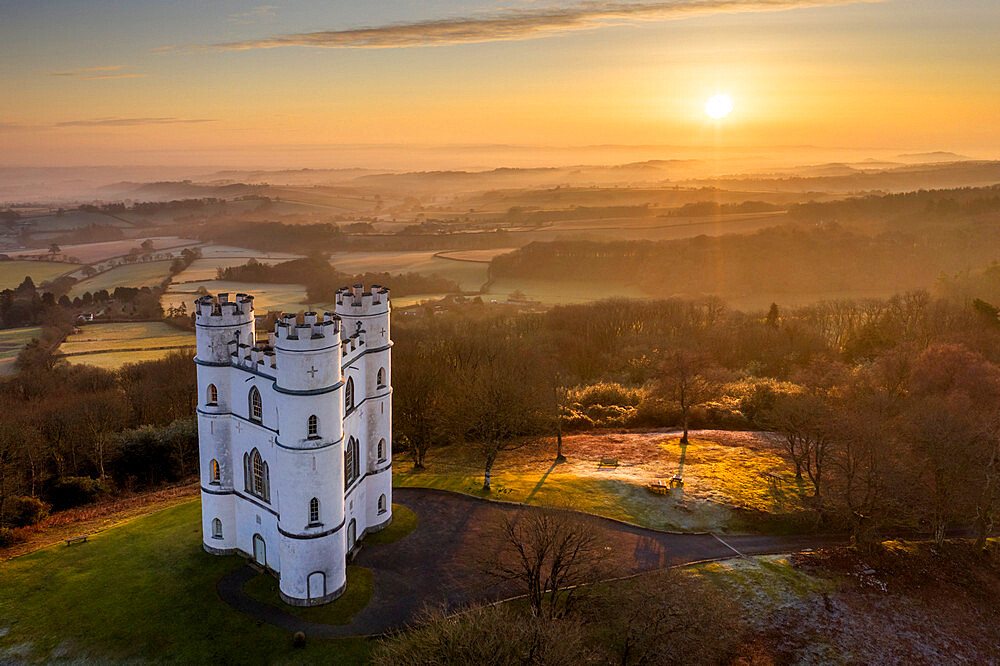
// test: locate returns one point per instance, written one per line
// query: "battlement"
(220, 311)
(312, 333)
(354, 301)
(260, 357)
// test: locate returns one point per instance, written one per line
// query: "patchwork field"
(231, 252)
(12, 273)
(559, 293)
(12, 341)
(206, 269)
(147, 274)
(723, 472)
(88, 253)
(287, 297)
(140, 589)
(111, 346)
(469, 275)
(73, 219)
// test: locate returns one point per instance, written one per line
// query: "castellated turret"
(295, 436)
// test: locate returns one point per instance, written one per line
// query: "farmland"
(564, 292)
(12, 341)
(469, 275)
(146, 274)
(110, 346)
(287, 297)
(12, 273)
(88, 253)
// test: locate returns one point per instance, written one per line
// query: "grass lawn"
(12, 341)
(403, 522)
(12, 273)
(141, 591)
(723, 473)
(264, 588)
(116, 359)
(146, 274)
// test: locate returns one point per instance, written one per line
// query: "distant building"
(295, 436)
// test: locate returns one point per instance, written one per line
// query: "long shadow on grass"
(541, 482)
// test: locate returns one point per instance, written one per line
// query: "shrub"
(9, 537)
(607, 393)
(299, 639)
(70, 491)
(27, 511)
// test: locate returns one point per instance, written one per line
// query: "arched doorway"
(259, 550)
(316, 585)
(352, 534)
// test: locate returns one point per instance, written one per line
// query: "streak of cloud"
(509, 25)
(114, 76)
(130, 122)
(84, 72)
(255, 14)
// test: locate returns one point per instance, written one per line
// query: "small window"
(213, 395)
(259, 478)
(256, 407)
(313, 511)
(349, 395)
(381, 503)
(216, 528)
(313, 426)
(213, 470)
(380, 378)
(381, 450)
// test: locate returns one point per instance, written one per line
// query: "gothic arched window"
(381, 450)
(216, 528)
(352, 462)
(380, 378)
(313, 426)
(256, 407)
(381, 503)
(214, 474)
(349, 395)
(213, 395)
(260, 483)
(313, 511)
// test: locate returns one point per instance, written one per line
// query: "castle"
(295, 436)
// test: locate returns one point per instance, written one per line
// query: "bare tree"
(545, 552)
(688, 378)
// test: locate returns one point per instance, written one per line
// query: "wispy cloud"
(129, 122)
(255, 14)
(94, 73)
(509, 24)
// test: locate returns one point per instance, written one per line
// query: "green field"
(12, 273)
(12, 341)
(559, 293)
(142, 589)
(73, 219)
(91, 252)
(469, 275)
(206, 269)
(286, 297)
(132, 335)
(134, 275)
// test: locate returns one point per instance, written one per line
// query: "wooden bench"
(608, 462)
(75, 540)
(659, 487)
(676, 479)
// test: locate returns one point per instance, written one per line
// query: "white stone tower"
(295, 436)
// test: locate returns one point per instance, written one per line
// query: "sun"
(718, 106)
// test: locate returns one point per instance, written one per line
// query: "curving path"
(439, 563)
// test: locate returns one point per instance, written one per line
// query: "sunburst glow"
(718, 106)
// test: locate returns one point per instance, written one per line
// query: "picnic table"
(659, 486)
(608, 462)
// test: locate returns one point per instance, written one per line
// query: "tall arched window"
(256, 407)
(352, 463)
(260, 483)
(349, 395)
(381, 503)
(380, 378)
(313, 426)
(214, 474)
(216, 528)
(381, 450)
(313, 511)
(213, 395)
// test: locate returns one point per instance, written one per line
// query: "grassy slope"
(134, 275)
(12, 273)
(286, 297)
(105, 337)
(142, 590)
(12, 340)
